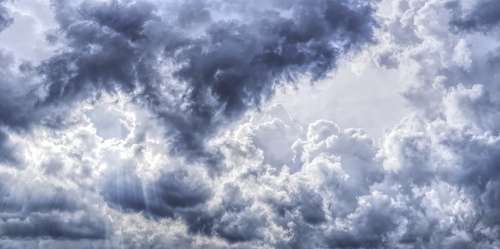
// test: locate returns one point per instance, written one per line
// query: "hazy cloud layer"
(86, 137)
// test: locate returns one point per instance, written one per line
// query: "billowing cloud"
(39, 210)
(195, 75)
(195, 66)
(198, 73)
(91, 129)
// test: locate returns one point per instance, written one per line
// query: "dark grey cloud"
(40, 210)
(219, 66)
(7, 150)
(432, 182)
(19, 113)
(15, 106)
(164, 197)
(181, 189)
(39, 226)
(5, 18)
(483, 16)
(46, 200)
(183, 195)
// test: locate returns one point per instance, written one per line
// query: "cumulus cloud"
(90, 129)
(198, 73)
(194, 74)
(452, 140)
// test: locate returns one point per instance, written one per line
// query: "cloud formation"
(199, 73)
(89, 130)
(41, 210)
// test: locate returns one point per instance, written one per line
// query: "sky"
(265, 124)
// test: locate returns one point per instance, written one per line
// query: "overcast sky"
(287, 124)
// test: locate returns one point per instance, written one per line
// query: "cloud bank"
(100, 144)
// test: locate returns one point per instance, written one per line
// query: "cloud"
(452, 139)
(40, 210)
(482, 16)
(197, 78)
(197, 66)
(177, 189)
(7, 151)
(16, 104)
(257, 200)
(5, 19)
(56, 227)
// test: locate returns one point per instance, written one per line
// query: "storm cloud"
(199, 73)
(101, 142)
